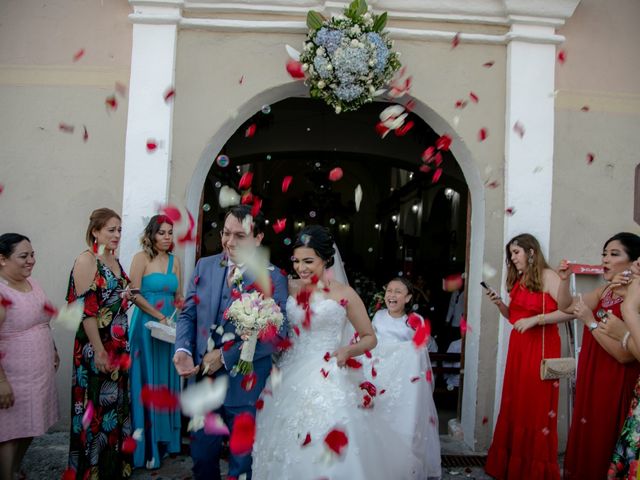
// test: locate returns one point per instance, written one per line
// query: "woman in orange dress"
(525, 441)
(607, 371)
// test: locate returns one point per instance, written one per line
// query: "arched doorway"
(407, 224)
(364, 157)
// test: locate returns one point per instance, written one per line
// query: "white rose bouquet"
(254, 316)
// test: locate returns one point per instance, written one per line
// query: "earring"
(95, 246)
(530, 260)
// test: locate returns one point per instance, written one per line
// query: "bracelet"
(625, 341)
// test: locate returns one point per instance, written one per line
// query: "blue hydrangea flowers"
(348, 58)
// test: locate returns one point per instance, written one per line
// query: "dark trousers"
(205, 449)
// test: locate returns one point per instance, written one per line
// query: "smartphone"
(485, 286)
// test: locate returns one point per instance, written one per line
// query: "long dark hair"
(319, 239)
(153, 227)
(407, 283)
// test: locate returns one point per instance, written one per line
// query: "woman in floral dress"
(101, 444)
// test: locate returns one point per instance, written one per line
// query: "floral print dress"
(626, 453)
(100, 404)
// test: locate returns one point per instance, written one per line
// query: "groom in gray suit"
(209, 295)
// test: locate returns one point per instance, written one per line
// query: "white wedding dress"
(308, 404)
(405, 374)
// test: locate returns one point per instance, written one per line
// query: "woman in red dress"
(607, 371)
(525, 441)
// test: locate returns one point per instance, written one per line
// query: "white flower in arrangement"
(349, 53)
(305, 67)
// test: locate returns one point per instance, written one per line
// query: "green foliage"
(380, 23)
(314, 20)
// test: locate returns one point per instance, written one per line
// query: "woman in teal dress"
(156, 273)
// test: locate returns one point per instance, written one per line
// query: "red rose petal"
(335, 174)
(414, 320)
(248, 381)
(284, 344)
(241, 81)
(464, 326)
(121, 89)
(279, 225)
(414, 379)
(367, 354)
(1, 188)
(425, 168)
(327, 357)
(367, 402)
(227, 345)
(78, 55)
(428, 154)
(474, 98)
(243, 434)
(250, 131)
(69, 474)
(455, 41)
(257, 204)
(336, 440)
(437, 159)
(421, 335)
(111, 102)
(286, 182)
(519, 129)
(294, 68)
(369, 387)
(296, 329)
(151, 145)
(344, 302)
(381, 129)
(196, 299)
(353, 363)
(324, 373)
(246, 199)
(245, 181)
(510, 211)
(85, 133)
(169, 94)
(66, 128)
(374, 374)
(443, 143)
(492, 184)
(590, 158)
(483, 134)
(129, 445)
(158, 398)
(49, 309)
(428, 376)
(436, 175)
(259, 404)
(488, 64)
(585, 108)
(461, 104)
(485, 420)
(562, 57)
(404, 129)
(307, 440)
(411, 104)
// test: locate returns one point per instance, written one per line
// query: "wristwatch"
(593, 326)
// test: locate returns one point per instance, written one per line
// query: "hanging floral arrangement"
(348, 59)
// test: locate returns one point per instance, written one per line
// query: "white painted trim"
(528, 160)
(146, 175)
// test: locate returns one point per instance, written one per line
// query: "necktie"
(230, 274)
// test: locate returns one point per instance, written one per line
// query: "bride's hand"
(342, 355)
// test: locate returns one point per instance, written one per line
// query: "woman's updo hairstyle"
(630, 243)
(319, 239)
(9, 241)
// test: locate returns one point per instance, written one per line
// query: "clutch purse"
(555, 368)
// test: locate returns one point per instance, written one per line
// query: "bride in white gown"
(322, 391)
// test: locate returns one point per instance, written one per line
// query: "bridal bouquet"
(254, 316)
(348, 59)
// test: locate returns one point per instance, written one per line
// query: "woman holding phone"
(157, 276)
(525, 442)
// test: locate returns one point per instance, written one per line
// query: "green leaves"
(314, 20)
(356, 9)
(380, 23)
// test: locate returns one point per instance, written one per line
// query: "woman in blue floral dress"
(100, 444)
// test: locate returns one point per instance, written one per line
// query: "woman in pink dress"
(28, 358)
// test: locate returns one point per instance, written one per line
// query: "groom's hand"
(184, 364)
(214, 360)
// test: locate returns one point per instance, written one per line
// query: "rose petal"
(443, 143)
(243, 434)
(474, 98)
(436, 175)
(245, 181)
(169, 94)
(455, 41)
(510, 211)
(415, 379)
(585, 108)
(483, 134)
(336, 440)
(249, 381)
(519, 129)
(428, 376)
(111, 103)
(562, 57)
(214, 425)
(78, 55)
(286, 182)
(204, 396)
(49, 309)
(403, 130)
(159, 398)
(66, 128)
(461, 104)
(381, 129)
(421, 336)
(353, 363)
(250, 131)
(358, 197)
(488, 64)
(335, 174)
(590, 158)
(464, 326)
(279, 225)
(492, 184)
(129, 445)
(228, 197)
(152, 145)
(324, 372)
(369, 387)
(294, 68)
(259, 404)
(307, 440)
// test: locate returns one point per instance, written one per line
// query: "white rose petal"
(228, 197)
(228, 337)
(203, 397)
(210, 344)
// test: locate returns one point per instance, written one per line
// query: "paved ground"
(47, 458)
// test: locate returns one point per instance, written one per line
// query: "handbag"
(555, 368)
